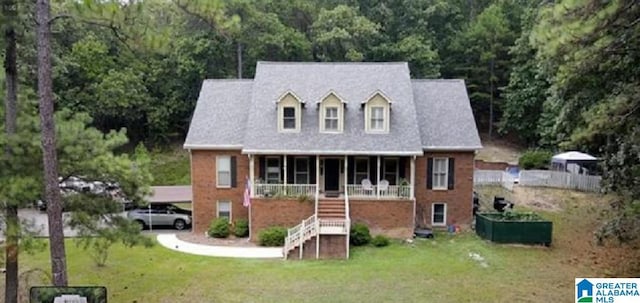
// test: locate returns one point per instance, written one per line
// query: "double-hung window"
(440, 170)
(331, 119)
(361, 170)
(223, 165)
(301, 171)
(391, 170)
(224, 209)
(273, 170)
(289, 117)
(377, 118)
(439, 214)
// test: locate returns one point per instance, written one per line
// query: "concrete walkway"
(170, 241)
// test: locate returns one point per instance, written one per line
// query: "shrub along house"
(324, 145)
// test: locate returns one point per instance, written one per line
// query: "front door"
(331, 175)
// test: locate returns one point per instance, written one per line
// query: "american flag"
(247, 193)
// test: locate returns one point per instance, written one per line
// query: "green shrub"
(241, 228)
(380, 241)
(219, 228)
(272, 236)
(535, 159)
(359, 235)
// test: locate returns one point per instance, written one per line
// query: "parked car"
(168, 206)
(149, 217)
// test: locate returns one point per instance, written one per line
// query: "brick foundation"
(392, 218)
(331, 247)
(274, 212)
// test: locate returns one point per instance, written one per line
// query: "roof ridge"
(330, 63)
(437, 80)
(227, 80)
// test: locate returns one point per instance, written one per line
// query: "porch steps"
(331, 209)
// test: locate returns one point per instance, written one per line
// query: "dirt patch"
(204, 239)
(499, 151)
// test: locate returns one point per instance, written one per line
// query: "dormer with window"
(331, 113)
(377, 113)
(289, 113)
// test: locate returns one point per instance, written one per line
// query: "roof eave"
(452, 148)
(212, 146)
(331, 153)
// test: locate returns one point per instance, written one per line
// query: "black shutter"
(452, 170)
(282, 169)
(234, 173)
(262, 168)
(291, 169)
(373, 169)
(429, 173)
(312, 170)
(351, 168)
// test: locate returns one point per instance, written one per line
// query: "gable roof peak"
(377, 92)
(331, 92)
(289, 92)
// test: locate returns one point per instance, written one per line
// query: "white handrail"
(391, 191)
(300, 233)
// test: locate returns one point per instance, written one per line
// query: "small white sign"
(607, 290)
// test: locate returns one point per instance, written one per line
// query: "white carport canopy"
(574, 162)
(573, 156)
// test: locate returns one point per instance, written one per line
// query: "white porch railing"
(334, 226)
(296, 235)
(288, 190)
(392, 191)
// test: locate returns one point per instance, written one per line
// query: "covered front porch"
(328, 176)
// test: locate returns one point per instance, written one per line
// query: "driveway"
(39, 223)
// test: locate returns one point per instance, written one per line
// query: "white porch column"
(285, 175)
(251, 175)
(346, 174)
(378, 181)
(413, 178)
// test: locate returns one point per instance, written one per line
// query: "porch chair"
(366, 185)
(383, 185)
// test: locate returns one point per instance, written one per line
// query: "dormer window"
(331, 113)
(289, 118)
(331, 118)
(289, 112)
(377, 110)
(377, 118)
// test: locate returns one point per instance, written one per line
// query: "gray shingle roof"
(242, 113)
(221, 114)
(444, 115)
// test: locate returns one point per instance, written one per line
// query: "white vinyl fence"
(493, 177)
(557, 179)
(543, 178)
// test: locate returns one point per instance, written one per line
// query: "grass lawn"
(439, 270)
(170, 166)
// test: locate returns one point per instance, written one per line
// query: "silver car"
(159, 217)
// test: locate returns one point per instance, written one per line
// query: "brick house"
(324, 145)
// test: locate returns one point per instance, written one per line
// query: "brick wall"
(393, 218)
(458, 200)
(275, 212)
(206, 193)
(331, 247)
